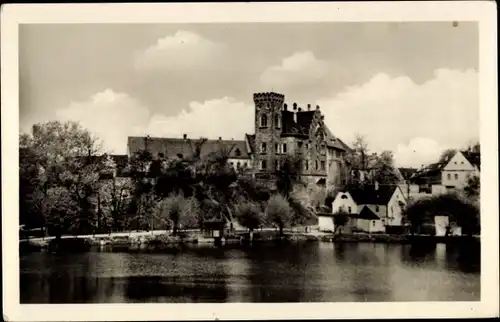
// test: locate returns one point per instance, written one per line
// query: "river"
(307, 272)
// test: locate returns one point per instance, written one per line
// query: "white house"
(460, 168)
(385, 202)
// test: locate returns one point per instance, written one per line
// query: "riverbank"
(166, 240)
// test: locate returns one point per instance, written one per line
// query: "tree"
(65, 156)
(385, 172)
(289, 174)
(341, 218)
(179, 212)
(446, 155)
(249, 215)
(279, 212)
(473, 187)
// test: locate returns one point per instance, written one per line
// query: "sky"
(411, 88)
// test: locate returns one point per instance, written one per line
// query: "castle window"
(306, 165)
(284, 147)
(237, 152)
(277, 164)
(317, 166)
(277, 121)
(322, 165)
(263, 165)
(263, 148)
(263, 120)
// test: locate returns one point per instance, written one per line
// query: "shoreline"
(167, 241)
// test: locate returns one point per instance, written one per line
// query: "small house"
(214, 228)
(385, 202)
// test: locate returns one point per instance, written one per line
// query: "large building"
(278, 131)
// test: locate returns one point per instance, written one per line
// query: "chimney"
(184, 136)
(285, 106)
(317, 107)
(294, 106)
(220, 138)
(308, 107)
(300, 110)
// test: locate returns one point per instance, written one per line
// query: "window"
(349, 209)
(238, 165)
(277, 164)
(306, 165)
(307, 146)
(277, 121)
(231, 163)
(317, 167)
(263, 164)
(377, 209)
(456, 176)
(277, 148)
(263, 120)
(263, 148)
(299, 145)
(343, 197)
(373, 223)
(449, 176)
(284, 147)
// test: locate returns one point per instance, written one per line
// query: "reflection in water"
(319, 272)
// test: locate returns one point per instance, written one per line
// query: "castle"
(279, 131)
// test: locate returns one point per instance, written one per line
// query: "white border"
(482, 11)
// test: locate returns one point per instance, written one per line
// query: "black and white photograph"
(250, 161)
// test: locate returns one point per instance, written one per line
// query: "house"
(451, 173)
(369, 222)
(328, 222)
(386, 202)
(460, 168)
(278, 132)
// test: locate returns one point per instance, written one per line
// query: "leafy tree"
(446, 155)
(62, 155)
(279, 212)
(341, 218)
(249, 215)
(473, 187)
(179, 212)
(385, 172)
(289, 174)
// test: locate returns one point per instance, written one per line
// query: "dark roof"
(367, 195)
(367, 213)
(251, 142)
(407, 172)
(173, 147)
(431, 173)
(473, 157)
(304, 120)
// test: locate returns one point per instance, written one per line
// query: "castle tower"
(268, 127)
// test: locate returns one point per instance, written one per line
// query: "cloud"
(299, 69)
(225, 117)
(394, 112)
(181, 51)
(113, 116)
(418, 152)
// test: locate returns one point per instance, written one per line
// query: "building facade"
(279, 132)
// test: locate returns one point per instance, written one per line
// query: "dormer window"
(237, 152)
(263, 120)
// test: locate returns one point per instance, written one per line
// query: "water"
(309, 272)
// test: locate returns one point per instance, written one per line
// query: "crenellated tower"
(268, 128)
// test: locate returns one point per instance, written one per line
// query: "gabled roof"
(174, 147)
(473, 157)
(367, 213)
(369, 195)
(407, 172)
(430, 172)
